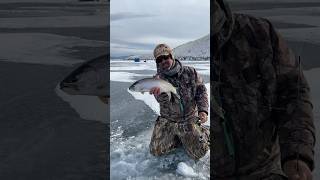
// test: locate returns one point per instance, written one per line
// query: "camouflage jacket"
(192, 92)
(267, 113)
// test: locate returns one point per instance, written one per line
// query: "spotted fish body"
(144, 85)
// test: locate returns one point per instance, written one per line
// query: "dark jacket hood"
(221, 25)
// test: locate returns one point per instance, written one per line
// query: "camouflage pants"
(275, 177)
(168, 135)
(268, 177)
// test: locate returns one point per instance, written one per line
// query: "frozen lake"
(133, 116)
(132, 119)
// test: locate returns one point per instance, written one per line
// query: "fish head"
(139, 86)
(134, 86)
(88, 79)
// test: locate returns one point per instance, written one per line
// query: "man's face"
(164, 62)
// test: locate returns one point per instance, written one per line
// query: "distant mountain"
(194, 50)
(199, 48)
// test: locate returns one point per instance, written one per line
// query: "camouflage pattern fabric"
(178, 116)
(257, 82)
(269, 177)
(192, 92)
(168, 135)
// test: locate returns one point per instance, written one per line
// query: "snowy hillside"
(194, 50)
(199, 48)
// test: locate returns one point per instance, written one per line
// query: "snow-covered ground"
(129, 155)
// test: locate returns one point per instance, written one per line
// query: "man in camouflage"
(178, 123)
(262, 125)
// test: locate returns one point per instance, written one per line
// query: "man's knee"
(160, 149)
(198, 153)
(197, 142)
(155, 150)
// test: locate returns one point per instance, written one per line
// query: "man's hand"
(156, 76)
(297, 170)
(155, 91)
(203, 117)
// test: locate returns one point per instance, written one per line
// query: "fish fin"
(104, 99)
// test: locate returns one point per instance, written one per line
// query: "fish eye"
(71, 80)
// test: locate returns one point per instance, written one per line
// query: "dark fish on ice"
(90, 78)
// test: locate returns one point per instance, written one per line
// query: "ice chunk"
(185, 170)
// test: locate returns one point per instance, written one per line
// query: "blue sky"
(136, 26)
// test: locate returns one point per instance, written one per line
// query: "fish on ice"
(90, 78)
(145, 85)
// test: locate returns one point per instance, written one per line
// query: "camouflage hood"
(222, 25)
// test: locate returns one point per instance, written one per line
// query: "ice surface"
(129, 156)
(51, 22)
(298, 19)
(282, 11)
(42, 48)
(311, 35)
(134, 66)
(88, 107)
(130, 159)
(203, 67)
(313, 79)
(274, 1)
(124, 76)
(185, 170)
(40, 1)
